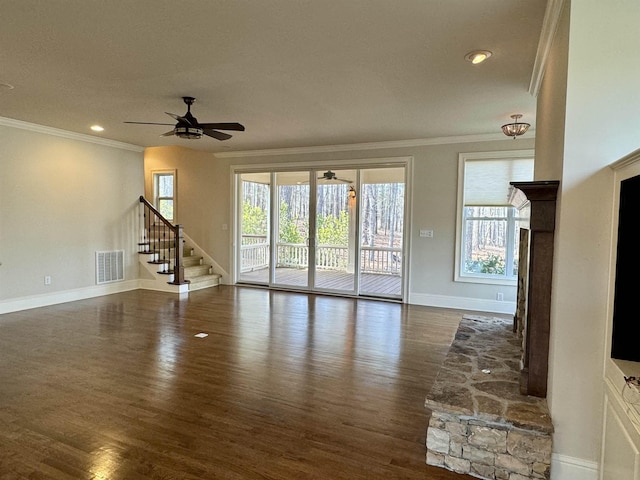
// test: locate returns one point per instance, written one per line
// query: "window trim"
(462, 159)
(155, 174)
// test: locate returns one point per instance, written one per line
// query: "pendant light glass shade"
(516, 128)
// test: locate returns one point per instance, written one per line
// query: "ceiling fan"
(188, 126)
(329, 175)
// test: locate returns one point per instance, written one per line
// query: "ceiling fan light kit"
(189, 128)
(516, 128)
(191, 133)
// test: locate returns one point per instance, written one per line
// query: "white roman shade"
(486, 181)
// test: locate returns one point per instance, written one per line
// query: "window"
(487, 240)
(164, 193)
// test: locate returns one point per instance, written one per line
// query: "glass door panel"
(291, 212)
(336, 240)
(337, 231)
(255, 251)
(382, 199)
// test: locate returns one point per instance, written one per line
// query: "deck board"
(375, 284)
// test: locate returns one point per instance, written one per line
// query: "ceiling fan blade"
(168, 134)
(343, 180)
(223, 126)
(180, 119)
(217, 135)
(149, 123)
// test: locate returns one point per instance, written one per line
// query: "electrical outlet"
(47, 280)
(500, 296)
(426, 233)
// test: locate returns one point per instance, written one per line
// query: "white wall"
(62, 199)
(551, 105)
(204, 206)
(602, 124)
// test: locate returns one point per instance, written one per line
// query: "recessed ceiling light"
(477, 56)
(97, 128)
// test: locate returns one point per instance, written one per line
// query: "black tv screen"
(626, 304)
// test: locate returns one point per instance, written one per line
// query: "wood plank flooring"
(285, 385)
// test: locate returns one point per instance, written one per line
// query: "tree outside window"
(165, 194)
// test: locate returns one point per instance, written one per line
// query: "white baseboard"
(146, 284)
(35, 301)
(44, 300)
(462, 303)
(564, 467)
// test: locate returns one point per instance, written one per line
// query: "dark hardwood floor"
(285, 385)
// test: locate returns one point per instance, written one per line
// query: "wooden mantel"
(541, 196)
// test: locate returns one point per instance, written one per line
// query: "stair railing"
(168, 242)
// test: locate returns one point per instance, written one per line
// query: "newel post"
(178, 268)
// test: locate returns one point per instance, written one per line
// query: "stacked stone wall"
(480, 424)
(494, 452)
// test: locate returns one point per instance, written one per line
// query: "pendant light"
(516, 128)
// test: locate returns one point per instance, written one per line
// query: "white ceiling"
(295, 72)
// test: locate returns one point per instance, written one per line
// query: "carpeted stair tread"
(191, 260)
(204, 281)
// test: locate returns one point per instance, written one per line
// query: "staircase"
(161, 247)
(199, 274)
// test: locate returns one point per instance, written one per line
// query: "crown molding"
(628, 159)
(33, 127)
(549, 27)
(420, 142)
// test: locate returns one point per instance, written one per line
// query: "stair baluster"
(164, 234)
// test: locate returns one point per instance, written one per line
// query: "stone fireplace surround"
(481, 424)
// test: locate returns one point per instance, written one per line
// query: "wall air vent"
(109, 266)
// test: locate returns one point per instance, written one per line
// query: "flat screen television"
(625, 344)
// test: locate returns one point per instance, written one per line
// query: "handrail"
(381, 249)
(173, 255)
(157, 213)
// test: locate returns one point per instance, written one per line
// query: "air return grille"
(109, 266)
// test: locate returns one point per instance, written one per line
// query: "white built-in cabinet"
(621, 429)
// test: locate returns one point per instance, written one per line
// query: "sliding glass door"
(382, 228)
(327, 230)
(335, 236)
(291, 227)
(253, 248)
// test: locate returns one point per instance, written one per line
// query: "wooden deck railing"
(254, 253)
(164, 240)
(292, 255)
(254, 256)
(381, 260)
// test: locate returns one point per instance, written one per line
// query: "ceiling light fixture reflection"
(97, 128)
(477, 56)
